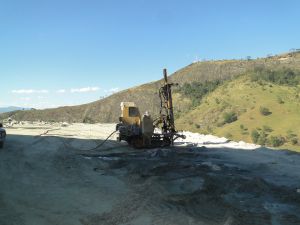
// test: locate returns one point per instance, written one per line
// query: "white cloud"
(29, 91)
(112, 90)
(61, 91)
(85, 89)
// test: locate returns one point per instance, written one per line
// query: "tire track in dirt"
(228, 196)
(147, 196)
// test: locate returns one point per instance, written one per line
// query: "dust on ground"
(49, 177)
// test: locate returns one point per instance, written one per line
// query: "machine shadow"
(14, 142)
(90, 145)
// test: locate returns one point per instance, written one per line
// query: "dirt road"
(46, 179)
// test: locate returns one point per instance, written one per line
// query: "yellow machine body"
(130, 114)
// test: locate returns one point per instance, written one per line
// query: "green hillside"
(249, 109)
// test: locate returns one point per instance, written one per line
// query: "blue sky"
(67, 52)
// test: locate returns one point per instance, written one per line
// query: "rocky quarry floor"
(48, 175)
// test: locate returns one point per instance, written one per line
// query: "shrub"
(267, 129)
(290, 134)
(292, 137)
(228, 135)
(279, 100)
(88, 120)
(229, 117)
(262, 138)
(264, 111)
(254, 136)
(294, 141)
(244, 130)
(276, 141)
(209, 129)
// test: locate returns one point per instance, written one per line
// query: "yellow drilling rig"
(139, 130)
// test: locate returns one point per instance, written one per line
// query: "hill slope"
(146, 96)
(253, 111)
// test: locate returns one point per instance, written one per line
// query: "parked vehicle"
(2, 135)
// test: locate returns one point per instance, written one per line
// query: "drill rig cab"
(130, 114)
(138, 130)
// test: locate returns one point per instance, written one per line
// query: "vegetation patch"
(284, 76)
(261, 137)
(264, 111)
(244, 130)
(197, 90)
(230, 117)
(279, 100)
(276, 141)
(267, 129)
(292, 137)
(255, 135)
(87, 119)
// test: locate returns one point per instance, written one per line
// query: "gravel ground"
(48, 176)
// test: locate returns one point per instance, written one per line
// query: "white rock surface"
(210, 141)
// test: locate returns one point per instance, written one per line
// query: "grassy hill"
(247, 109)
(225, 97)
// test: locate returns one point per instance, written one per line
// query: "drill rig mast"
(166, 109)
